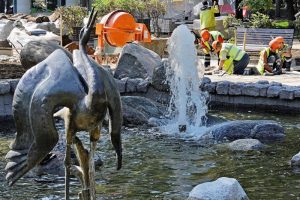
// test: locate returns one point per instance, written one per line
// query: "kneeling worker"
(207, 38)
(284, 52)
(269, 60)
(232, 59)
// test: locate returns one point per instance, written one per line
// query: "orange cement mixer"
(118, 28)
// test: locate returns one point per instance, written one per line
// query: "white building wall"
(72, 2)
(23, 6)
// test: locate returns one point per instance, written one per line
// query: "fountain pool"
(157, 166)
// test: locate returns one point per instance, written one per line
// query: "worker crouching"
(207, 38)
(284, 52)
(269, 60)
(232, 59)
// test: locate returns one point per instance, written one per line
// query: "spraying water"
(187, 107)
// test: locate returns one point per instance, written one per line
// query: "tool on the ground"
(118, 28)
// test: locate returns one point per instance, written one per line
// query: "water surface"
(167, 167)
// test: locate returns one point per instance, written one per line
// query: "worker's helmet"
(214, 44)
(205, 35)
(274, 45)
(279, 39)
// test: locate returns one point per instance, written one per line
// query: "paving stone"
(263, 88)
(286, 93)
(273, 91)
(222, 87)
(235, 89)
(250, 90)
(210, 87)
(297, 93)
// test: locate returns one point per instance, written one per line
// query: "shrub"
(72, 16)
(259, 20)
(257, 5)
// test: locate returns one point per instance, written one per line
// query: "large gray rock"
(263, 130)
(136, 61)
(222, 189)
(138, 110)
(245, 145)
(36, 51)
(5, 28)
(295, 162)
(159, 80)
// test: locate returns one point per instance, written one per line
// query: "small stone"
(251, 90)
(4, 87)
(273, 91)
(223, 87)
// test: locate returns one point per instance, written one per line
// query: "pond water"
(166, 167)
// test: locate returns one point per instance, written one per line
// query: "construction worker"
(269, 60)
(207, 16)
(232, 59)
(284, 52)
(207, 38)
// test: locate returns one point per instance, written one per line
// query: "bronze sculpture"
(83, 93)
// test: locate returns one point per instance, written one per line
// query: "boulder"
(159, 80)
(138, 110)
(295, 161)
(5, 29)
(36, 51)
(136, 61)
(263, 130)
(245, 145)
(222, 189)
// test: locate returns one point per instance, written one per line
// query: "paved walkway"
(290, 78)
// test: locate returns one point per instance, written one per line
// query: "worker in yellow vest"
(284, 52)
(269, 61)
(207, 16)
(207, 38)
(232, 59)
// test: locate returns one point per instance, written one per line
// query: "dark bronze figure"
(85, 92)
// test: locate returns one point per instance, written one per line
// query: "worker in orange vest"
(269, 61)
(207, 38)
(284, 52)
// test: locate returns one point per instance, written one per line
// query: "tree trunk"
(238, 10)
(2, 6)
(277, 9)
(290, 9)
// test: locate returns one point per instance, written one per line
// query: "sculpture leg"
(83, 158)
(94, 137)
(69, 139)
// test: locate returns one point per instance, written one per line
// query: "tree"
(2, 6)
(258, 5)
(290, 9)
(277, 8)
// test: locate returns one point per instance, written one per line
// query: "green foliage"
(138, 8)
(106, 6)
(72, 16)
(282, 24)
(231, 21)
(259, 20)
(257, 5)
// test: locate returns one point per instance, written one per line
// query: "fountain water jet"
(187, 106)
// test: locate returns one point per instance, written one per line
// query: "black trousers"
(239, 66)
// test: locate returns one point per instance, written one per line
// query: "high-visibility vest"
(283, 50)
(233, 53)
(260, 66)
(215, 37)
(207, 18)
